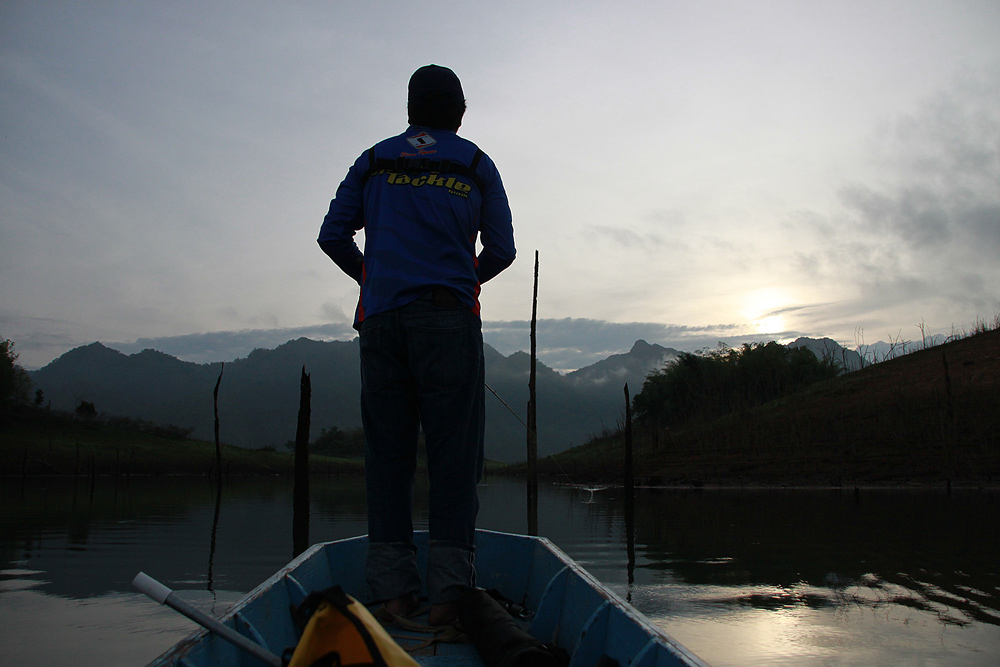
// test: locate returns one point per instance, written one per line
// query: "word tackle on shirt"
(433, 179)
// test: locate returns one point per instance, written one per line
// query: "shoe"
(401, 607)
(443, 614)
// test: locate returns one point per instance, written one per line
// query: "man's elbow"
(505, 256)
(490, 265)
(326, 246)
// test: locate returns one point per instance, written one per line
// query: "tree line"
(16, 385)
(709, 384)
(14, 380)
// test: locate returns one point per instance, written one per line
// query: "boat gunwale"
(656, 632)
(657, 635)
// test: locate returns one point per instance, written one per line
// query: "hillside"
(259, 395)
(37, 441)
(930, 417)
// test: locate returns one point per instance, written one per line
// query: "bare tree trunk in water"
(532, 420)
(629, 493)
(218, 446)
(300, 495)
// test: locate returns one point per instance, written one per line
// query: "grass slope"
(929, 417)
(36, 443)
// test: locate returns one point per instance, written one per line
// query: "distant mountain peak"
(631, 367)
(641, 347)
(92, 353)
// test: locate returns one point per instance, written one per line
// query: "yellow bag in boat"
(342, 632)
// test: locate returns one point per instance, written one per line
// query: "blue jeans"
(422, 366)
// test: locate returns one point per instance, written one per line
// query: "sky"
(688, 172)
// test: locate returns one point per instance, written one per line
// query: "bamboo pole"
(300, 493)
(629, 492)
(218, 445)
(532, 419)
(629, 479)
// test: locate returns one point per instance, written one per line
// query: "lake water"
(778, 577)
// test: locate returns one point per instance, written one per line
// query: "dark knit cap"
(434, 82)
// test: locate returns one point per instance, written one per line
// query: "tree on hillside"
(708, 385)
(86, 411)
(336, 442)
(14, 381)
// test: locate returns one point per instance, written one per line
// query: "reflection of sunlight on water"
(961, 606)
(12, 580)
(802, 624)
(769, 625)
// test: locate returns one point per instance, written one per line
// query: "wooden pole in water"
(218, 446)
(629, 491)
(532, 421)
(210, 585)
(629, 481)
(300, 494)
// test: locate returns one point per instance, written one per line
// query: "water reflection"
(215, 531)
(797, 577)
(784, 577)
(874, 548)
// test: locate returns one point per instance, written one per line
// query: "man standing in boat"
(423, 198)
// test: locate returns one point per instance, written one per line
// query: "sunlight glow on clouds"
(761, 307)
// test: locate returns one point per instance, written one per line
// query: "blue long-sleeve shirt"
(421, 226)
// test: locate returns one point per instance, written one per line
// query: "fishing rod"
(528, 429)
(510, 409)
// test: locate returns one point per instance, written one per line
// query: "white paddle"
(154, 589)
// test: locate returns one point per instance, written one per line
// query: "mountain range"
(259, 394)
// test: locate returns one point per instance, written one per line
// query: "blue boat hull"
(572, 610)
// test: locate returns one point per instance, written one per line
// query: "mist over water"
(739, 576)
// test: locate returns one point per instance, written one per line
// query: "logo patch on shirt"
(421, 140)
(451, 183)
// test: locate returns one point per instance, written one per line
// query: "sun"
(769, 324)
(763, 307)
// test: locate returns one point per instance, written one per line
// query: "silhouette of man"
(423, 197)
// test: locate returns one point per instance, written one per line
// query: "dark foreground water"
(778, 577)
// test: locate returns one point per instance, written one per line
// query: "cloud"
(330, 311)
(923, 230)
(562, 344)
(628, 238)
(37, 340)
(216, 346)
(571, 343)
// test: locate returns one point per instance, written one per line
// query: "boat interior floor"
(443, 643)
